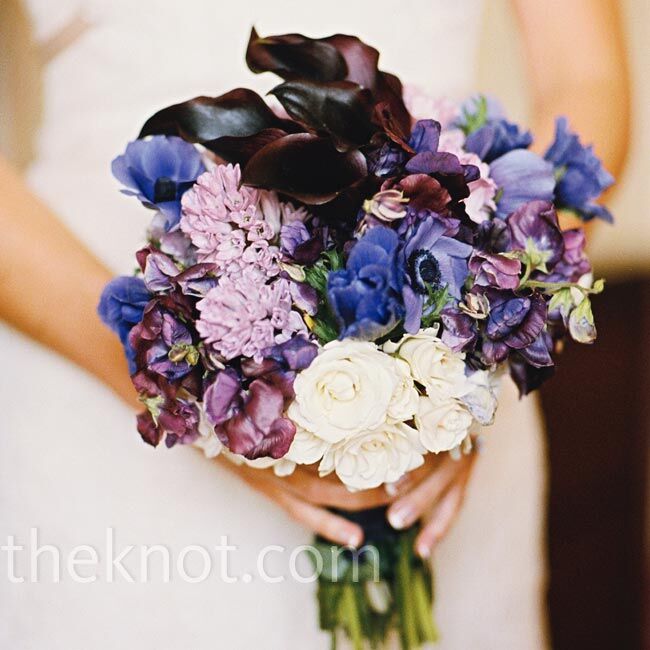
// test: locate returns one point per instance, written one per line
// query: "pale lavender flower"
(245, 315)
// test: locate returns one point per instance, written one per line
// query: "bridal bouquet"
(339, 275)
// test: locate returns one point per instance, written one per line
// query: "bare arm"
(577, 67)
(50, 285)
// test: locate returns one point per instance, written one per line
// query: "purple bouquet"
(339, 276)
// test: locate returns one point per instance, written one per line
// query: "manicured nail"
(423, 551)
(400, 517)
(354, 540)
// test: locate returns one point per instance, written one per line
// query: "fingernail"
(353, 540)
(423, 551)
(400, 517)
(394, 488)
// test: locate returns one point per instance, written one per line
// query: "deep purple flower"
(298, 244)
(161, 274)
(534, 225)
(121, 306)
(171, 410)
(459, 330)
(386, 160)
(163, 343)
(581, 175)
(496, 138)
(433, 261)
(425, 136)
(251, 421)
(158, 171)
(495, 270)
(366, 297)
(521, 176)
(447, 169)
(514, 323)
(526, 376)
(574, 263)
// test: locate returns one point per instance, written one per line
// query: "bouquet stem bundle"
(372, 593)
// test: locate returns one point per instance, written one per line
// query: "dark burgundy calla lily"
(238, 113)
(306, 167)
(341, 109)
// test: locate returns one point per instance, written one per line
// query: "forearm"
(50, 285)
(577, 67)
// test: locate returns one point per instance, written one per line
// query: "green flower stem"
(424, 607)
(556, 286)
(350, 614)
(408, 625)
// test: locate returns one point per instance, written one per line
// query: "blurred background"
(597, 408)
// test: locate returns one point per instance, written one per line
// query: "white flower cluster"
(370, 414)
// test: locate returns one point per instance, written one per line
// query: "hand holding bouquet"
(340, 276)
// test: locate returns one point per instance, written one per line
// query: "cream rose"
(347, 390)
(374, 457)
(404, 401)
(433, 364)
(442, 425)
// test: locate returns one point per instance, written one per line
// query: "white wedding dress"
(71, 462)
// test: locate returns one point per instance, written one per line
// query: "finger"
(441, 520)
(333, 494)
(330, 526)
(408, 509)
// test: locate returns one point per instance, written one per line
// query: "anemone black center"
(164, 190)
(424, 270)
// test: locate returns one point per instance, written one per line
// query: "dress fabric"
(72, 466)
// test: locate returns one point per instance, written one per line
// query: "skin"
(588, 83)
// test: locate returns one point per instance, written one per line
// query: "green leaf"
(473, 120)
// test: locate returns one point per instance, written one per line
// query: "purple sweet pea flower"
(163, 343)
(425, 136)
(251, 422)
(536, 224)
(574, 263)
(298, 244)
(432, 261)
(459, 330)
(521, 176)
(496, 138)
(495, 270)
(170, 414)
(121, 307)
(514, 323)
(161, 274)
(158, 171)
(528, 377)
(366, 297)
(582, 177)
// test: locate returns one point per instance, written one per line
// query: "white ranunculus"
(306, 448)
(374, 457)
(346, 390)
(280, 466)
(404, 401)
(442, 425)
(479, 396)
(433, 364)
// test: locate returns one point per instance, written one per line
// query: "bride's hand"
(305, 497)
(435, 494)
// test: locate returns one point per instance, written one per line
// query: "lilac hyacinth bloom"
(433, 261)
(366, 297)
(496, 138)
(521, 176)
(158, 171)
(121, 307)
(535, 224)
(581, 175)
(245, 316)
